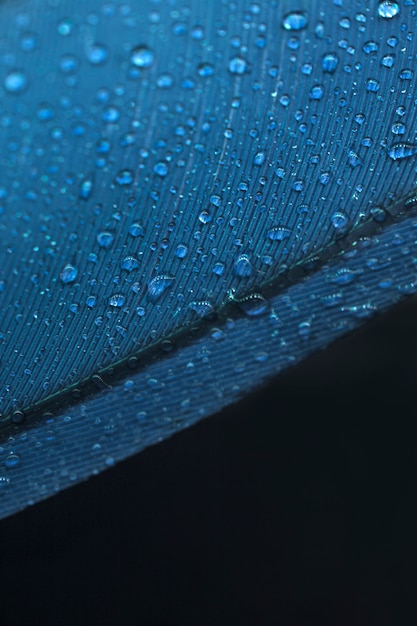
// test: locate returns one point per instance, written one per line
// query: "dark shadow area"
(294, 507)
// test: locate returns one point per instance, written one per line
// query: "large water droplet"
(388, 9)
(402, 150)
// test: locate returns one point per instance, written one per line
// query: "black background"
(295, 506)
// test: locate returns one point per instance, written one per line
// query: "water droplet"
(204, 217)
(406, 74)
(297, 20)
(372, 85)
(65, 27)
(15, 82)
(388, 60)
(165, 81)
(136, 230)
(181, 251)
(330, 62)
(243, 266)
(205, 69)
(129, 264)
(91, 301)
(4, 482)
(68, 274)
(12, 460)
(316, 92)
(362, 311)
(86, 189)
(117, 300)
(68, 64)
(158, 285)
(238, 66)
(398, 128)
(97, 54)
(354, 159)
(304, 330)
(343, 276)
(218, 269)
(370, 46)
(203, 309)
(388, 9)
(259, 158)
(253, 305)
(18, 417)
(105, 239)
(278, 233)
(402, 150)
(161, 168)
(142, 57)
(339, 221)
(124, 177)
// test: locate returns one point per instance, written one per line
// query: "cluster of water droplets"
(227, 179)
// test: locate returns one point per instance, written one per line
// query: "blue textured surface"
(170, 162)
